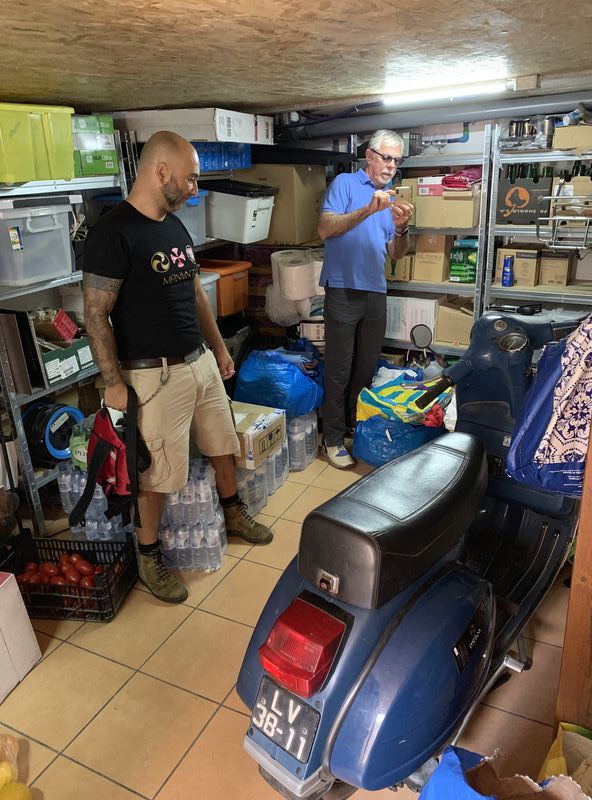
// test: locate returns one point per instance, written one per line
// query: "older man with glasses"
(359, 224)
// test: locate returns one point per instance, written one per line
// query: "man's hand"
(401, 211)
(380, 201)
(225, 362)
(116, 396)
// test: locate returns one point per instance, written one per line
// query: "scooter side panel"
(421, 685)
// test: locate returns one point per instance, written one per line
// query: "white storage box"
(237, 211)
(34, 244)
(193, 216)
(19, 651)
(198, 124)
(208, 281)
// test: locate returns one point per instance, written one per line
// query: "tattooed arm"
(100, 294)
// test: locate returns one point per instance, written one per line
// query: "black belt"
(152, 363)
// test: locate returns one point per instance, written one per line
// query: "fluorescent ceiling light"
(450, 92)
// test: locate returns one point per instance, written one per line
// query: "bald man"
(148, 320)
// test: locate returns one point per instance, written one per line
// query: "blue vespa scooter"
(409, 588)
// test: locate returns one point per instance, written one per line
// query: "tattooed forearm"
(98, 303)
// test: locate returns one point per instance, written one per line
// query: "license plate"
(285, 719)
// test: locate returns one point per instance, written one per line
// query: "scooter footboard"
(420, 685)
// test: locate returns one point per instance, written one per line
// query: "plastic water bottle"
(92, 530)
(220, 523)
(297, 444)
(285, 459)
(198, 548)
(310, 442)
(183, 547)
(260, 487)
(190, 506)
(168, 547)
(98, 504)
(270, 478)
(174, 509)
(204, 499)
(212, 547)
(64, 485)
(105, 531)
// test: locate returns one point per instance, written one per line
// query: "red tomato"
(99, 570)
(84, 567)
(71, 575)
(58, 580)
(45, 578)
(76, 557)
(64, 559)
(49, 569)
(32, 566)
(88, 582)
(34, 578)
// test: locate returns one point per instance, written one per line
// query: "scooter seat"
(377, 537)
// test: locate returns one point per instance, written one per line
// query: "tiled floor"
(145, 706)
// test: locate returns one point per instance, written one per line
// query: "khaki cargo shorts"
(193, 400)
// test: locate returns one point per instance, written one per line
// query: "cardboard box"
(576, 137)
(579, 186)
(60, 328)
(402, 269)
(432, 267)
(297, 205)
(61, 360)
(557, 268)
(430, 186)
(396, 317)
(517, 200)
(463, 264)
(526, 264)
(433, 243)
(451, 210)
(420, 311)
(99, 162)
(85, 123)
(198, 124)
(455, 320)
(261, 432)
(313, 331)
(19, 650)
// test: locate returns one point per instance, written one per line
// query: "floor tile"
(308, 475)
(548, 624)
(532, 693)
(140, 627)
(139, 737)
(337, 479)
(203, 655)
(242, 595)
(33, 757)
(62, 694)
(65, 780)
(310, 499)
(233, 701)
(46, 643)
(283, 548)
(58, 628)
(200, 584)
(283, 498)
(217, 767)
(523, 743)
(386, 794)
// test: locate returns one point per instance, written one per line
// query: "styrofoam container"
(238, 212)
(193, 216)
(208, 281)
(34, 244)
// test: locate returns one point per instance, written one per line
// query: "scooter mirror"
(421, 336)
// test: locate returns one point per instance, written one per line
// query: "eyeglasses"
(387, 159)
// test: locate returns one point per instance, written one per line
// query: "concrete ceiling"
(269, 55)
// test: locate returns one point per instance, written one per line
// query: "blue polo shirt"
(355, 260)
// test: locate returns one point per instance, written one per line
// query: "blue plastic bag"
(548, 449)
(267, 378)
(448, 781)
(378, 440)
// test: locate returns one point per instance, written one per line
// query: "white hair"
(390, 138)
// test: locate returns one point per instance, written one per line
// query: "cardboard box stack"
(431, 257)
(94, 145)
(438, 207)
(526, 264)
(455, 320)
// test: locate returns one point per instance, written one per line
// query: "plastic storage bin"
(238, 212)
(193, 216)
(209, 281)
(34, 244)
(232, 290)
(35, 143)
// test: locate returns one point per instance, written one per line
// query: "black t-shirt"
(155, 313)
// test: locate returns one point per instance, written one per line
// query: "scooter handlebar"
(434, 391)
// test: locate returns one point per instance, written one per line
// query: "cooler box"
(35, 143)
(232, 290)
(193, 216)
(34, 244)
(208, 281)
(237, 211)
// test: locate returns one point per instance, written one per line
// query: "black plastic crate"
(98, 604)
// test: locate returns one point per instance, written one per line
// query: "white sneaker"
(339, 457)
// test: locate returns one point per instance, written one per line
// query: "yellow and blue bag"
(396, 400)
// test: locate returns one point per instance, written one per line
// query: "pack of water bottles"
(303, 442)
(97, 528)
(192, 529)
(255, 486)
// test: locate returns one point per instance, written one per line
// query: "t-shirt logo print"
(160, 262)
(190, 253)
(178, 257)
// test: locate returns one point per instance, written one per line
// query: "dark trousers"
(355, 324)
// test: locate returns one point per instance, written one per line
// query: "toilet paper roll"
(276, 260)
(296, 275)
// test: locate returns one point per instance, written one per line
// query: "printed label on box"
(14, 234)
(53, 369)
(69, 366)
(85, 355)
(59, 422)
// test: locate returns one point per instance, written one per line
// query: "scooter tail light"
(301, 647)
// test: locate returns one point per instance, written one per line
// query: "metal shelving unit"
(579, 293)
(32, 478)
(442, 348)
(482, 159)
